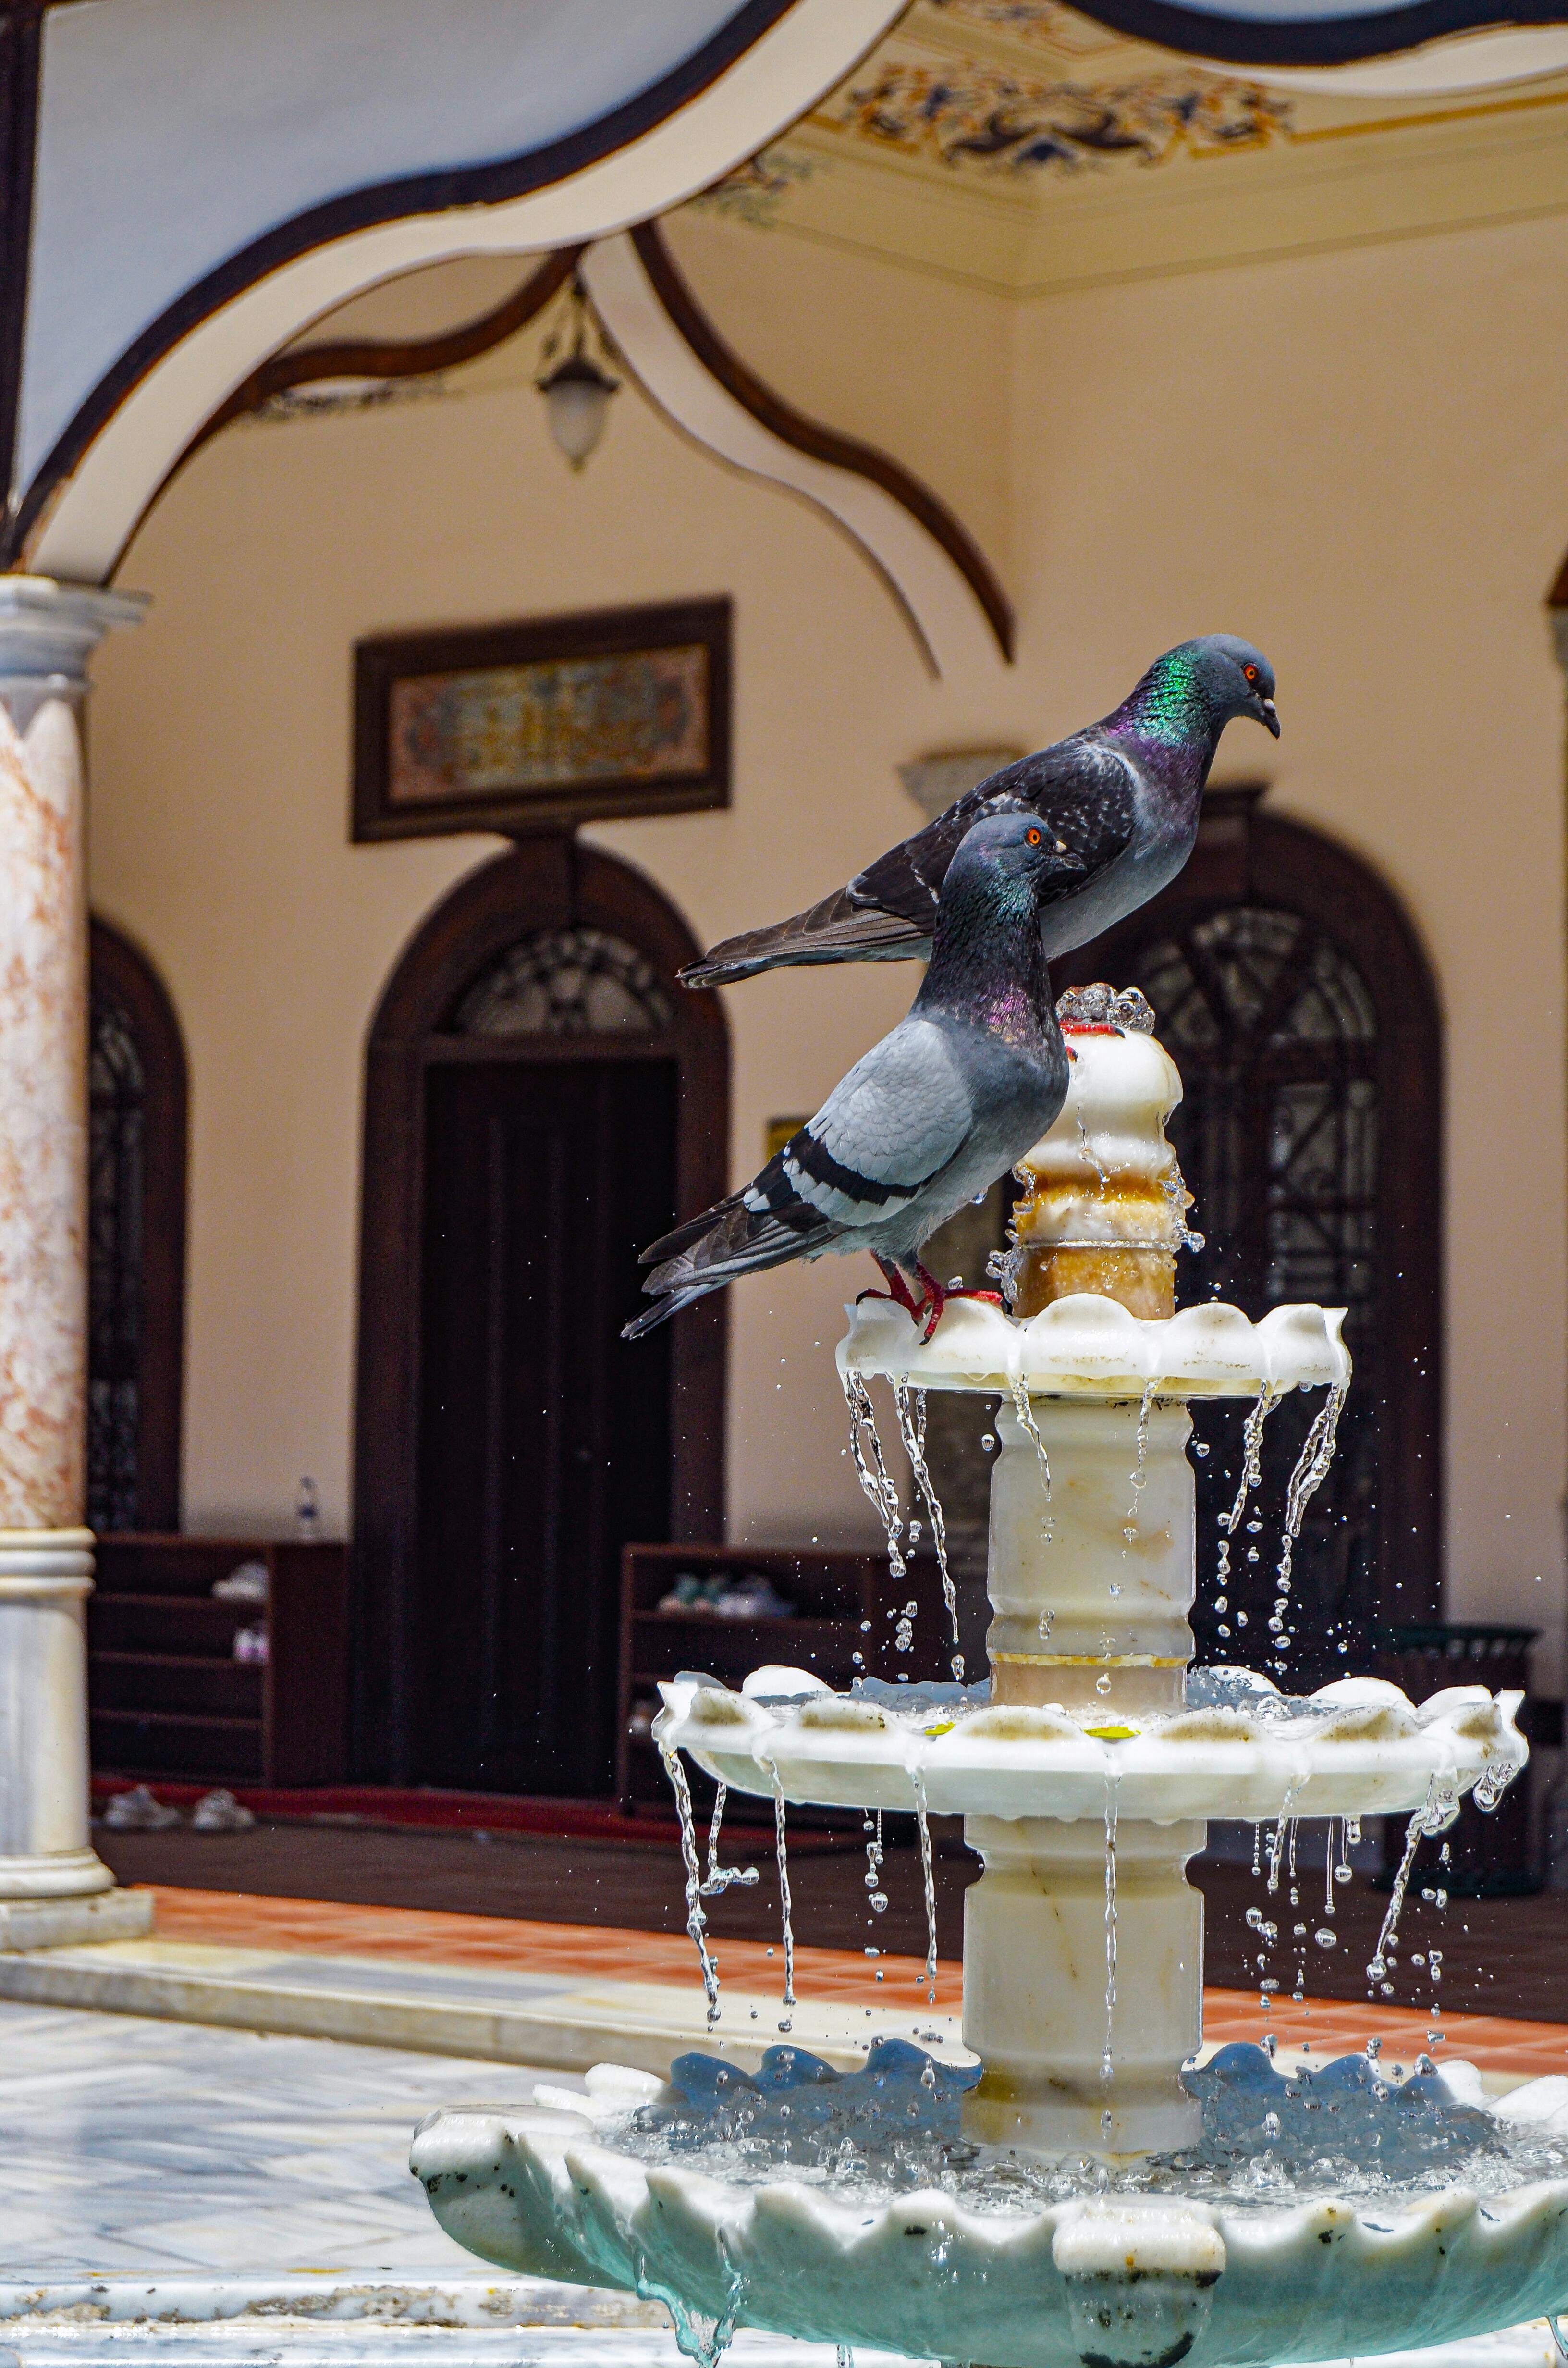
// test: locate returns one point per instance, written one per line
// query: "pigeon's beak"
(1267, 713)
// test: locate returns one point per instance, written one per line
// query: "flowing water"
(718, 1878)
(784, 1904)
(1031, 1430)
(928, 1877)
(1439, 1811)
(1141, 1469)
(870, 1468)
(1112, 1783)
(1311, 1469)
(696, 1921)
(910, 1405)
(1258, 1412)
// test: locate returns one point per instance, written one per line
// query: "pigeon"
(927, 1119)
(1122, 795)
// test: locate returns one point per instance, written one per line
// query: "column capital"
(49, 630)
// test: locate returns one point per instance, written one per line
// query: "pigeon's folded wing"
(1082, 793)
(893, 1122)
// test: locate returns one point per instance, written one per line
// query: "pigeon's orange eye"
(1251, 673)
(1033, 837)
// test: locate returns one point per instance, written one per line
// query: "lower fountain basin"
(1111, 2279)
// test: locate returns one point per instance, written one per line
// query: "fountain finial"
(1104, 1205)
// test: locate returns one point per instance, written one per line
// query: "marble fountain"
(1081, 2181)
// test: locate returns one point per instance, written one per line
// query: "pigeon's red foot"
(937, 1297)
(897, 1290)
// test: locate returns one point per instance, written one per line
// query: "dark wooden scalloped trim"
(820, 443)
(1299, 41)
(393, 357)
(389, 357)
(365, 209)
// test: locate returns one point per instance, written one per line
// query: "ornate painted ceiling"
(1020, 144)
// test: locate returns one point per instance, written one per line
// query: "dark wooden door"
(544, 1438)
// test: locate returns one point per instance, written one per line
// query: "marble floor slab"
(195, 2197)
(508, 2014)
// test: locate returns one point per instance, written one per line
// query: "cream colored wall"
(1361, 460)
(1324, 453)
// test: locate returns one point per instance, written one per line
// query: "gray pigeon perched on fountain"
(929, 1119)
(1122, 795)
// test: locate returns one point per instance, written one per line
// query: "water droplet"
(1325, 1937)
(1201, 1446)
(987, 1443)
(879, 1902)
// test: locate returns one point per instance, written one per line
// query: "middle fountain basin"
(1358, 1748)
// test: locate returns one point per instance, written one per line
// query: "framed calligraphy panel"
(542, 724)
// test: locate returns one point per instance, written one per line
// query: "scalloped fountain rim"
(1086, 1343)
(1364, 1749)
(1318, 2278)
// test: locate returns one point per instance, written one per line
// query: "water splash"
(910, 1407)
(718, 1878)
(1311, 1469)
(928, 1878)
(784, 1893)
(870, 1468)
(696, 1921)
(1262, 1406)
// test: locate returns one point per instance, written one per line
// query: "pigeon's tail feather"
(745, 1234)
(839, 930)
(661, 1311)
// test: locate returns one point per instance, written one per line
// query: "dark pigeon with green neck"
(1122, 796)
(929, 1119)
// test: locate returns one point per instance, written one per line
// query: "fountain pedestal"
(1091, 1587)
(1063, 2073)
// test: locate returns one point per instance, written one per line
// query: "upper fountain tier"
(1092, 1269)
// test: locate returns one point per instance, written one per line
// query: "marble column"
(53, 1887)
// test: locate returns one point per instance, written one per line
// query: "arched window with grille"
(1291, 991)
(136, 1084)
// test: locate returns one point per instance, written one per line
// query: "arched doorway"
(1294, 996)
(136, 1174)
(542, 1098)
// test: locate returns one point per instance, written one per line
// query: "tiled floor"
(580, 1951)
(1500, 2044)
(1503, 1956)
(160, 2147)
